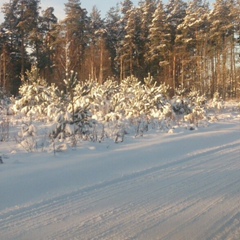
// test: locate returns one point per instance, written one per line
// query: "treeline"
(189, 45)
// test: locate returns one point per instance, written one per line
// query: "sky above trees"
(58, 5)
(103, 6)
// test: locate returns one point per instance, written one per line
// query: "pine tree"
(147, 9)
(130, 45)
(97, 53)
(221, 33)
(126, 6)
(176, 11)
(92, 60)
(114, 34)
(75, 29)
(47, 27)
(4, 61)
(234, 81)
(159, 39)
(193, 38)
(20, 19)
(28, 20)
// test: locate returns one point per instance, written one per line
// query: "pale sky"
(102, 5)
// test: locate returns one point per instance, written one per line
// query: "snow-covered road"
(181, 186)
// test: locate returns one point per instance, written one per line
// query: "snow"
(176, 185)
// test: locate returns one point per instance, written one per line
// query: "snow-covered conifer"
(197, 105)
(159, 39)
(147, 9)
(35, 94)
(75, 115)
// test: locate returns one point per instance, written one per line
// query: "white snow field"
(183, 185)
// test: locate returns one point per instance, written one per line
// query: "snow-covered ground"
(181, 185)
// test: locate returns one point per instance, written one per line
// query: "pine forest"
(183, 45)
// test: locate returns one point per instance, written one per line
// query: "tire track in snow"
(229, 229)
(131, 214)
(119, 221)
(188, 203)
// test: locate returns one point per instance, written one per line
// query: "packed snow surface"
(179, 185)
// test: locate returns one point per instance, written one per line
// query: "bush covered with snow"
(4, 115)
(35, 95)
(191, 106)
(72, 115)
(216, 104)
(91, 111)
